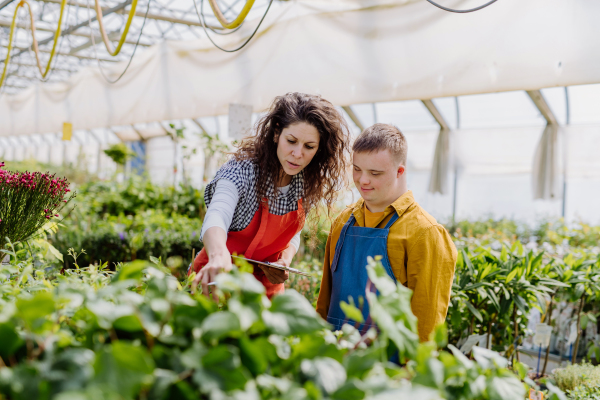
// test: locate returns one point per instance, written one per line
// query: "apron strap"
(340, 243)
(392, 220)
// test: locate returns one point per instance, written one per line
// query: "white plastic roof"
(350, 52)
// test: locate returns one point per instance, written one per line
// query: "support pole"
(565, 160)
(454, 191)
(353, 117)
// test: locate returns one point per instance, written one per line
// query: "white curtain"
(545, 165)
(438, 182)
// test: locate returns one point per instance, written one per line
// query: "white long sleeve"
(222, 207)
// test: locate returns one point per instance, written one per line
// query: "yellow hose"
(236, 22)
(13, 27)
(125, 31)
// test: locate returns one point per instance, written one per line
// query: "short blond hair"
(380, 137)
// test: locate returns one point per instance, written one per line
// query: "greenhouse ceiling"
(393, 50)
(80, 43)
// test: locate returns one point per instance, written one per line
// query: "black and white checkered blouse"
(244, 175)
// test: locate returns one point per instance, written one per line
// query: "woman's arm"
(214, 234)
(219, 259)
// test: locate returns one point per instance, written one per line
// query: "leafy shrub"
(136, 195)
(494, 292)
(584, 392)
(119, 153)
(576, 375)
(126, 238)
(136, 333)
(307, 286)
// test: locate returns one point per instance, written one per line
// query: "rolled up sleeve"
(431, 261)
(325, 290)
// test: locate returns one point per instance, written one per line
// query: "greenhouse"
(299, 199)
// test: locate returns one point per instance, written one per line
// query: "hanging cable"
(461, 11)
(62, 39)
(13, 26)
(125, 30)
(227, 31)
(134, 48)
(201, 16)
(237, 21)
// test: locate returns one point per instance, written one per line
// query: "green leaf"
(555, 393)
(9, 339)
(124, 368)
(584, 321)
(133, 270)
(511, 275)
(256, 354)
(221, 369)
(505, 388)
(474, 311)
(33, 309)
(219, 325)
(54, 251)
(504, 254)
(351, 311)
(327, 373)
(291, 314)
(129, 323)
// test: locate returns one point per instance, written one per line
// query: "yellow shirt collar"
(400, 205)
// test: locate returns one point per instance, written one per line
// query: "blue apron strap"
(340, 243)
(392, 220)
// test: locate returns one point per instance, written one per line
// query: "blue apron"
(349, 272)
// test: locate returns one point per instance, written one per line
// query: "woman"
(258, 201)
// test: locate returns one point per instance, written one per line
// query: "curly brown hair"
(326, 174)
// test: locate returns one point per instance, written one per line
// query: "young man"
(387, 221)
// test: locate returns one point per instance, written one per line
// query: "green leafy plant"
(496, 290)
(137, 333)
(575, 375)
(119, 153)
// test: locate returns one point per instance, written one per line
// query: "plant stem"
(549, 324)
(581, 303)
(516, 326)
(489, 331)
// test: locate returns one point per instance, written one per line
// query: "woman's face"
(296, 147)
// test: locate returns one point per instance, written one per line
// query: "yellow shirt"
(372, 219)
(421, 253)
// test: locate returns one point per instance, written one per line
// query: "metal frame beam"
(435, 113)
(541, 104)
(353, 117)
(157, 17)
(5, 3)
(7, 24)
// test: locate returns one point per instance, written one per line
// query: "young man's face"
(377, 177)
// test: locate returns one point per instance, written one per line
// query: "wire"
(201, 16)
(462, 11)
(228, 32)
(132, 54)
(125, 30)
(237, 21)
(13, 26)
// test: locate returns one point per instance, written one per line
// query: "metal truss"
(166, 20)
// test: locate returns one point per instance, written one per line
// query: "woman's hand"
(208, 274)
(219, 260)
(274, 275)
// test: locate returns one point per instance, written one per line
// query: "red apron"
(266, 237)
